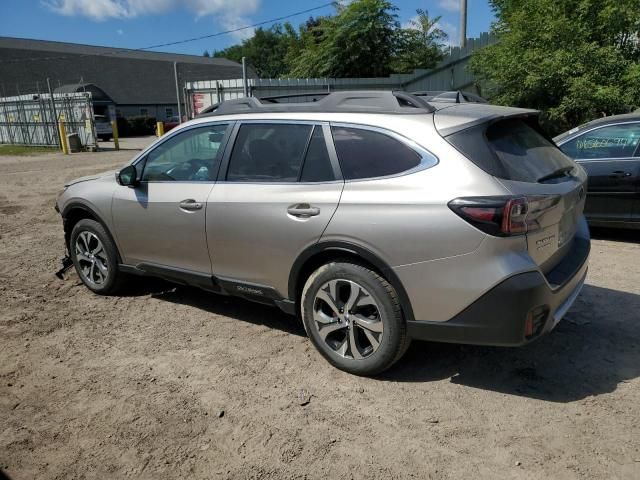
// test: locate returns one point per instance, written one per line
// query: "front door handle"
(619, 173)
(190, 205)
(303, 210)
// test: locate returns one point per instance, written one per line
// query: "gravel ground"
(169, 382)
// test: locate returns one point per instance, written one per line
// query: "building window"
(168, 112)
(144, 112)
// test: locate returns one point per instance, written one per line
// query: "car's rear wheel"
(95, 257)
(353, 317)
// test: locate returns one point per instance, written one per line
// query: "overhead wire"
(168, 44)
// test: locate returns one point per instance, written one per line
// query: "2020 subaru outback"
(377, 217)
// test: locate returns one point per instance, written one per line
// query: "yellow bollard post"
(63, 138)
(114, 128)
(160, 129)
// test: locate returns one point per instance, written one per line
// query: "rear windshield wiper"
(561, 172)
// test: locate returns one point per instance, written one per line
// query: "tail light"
(504, 216)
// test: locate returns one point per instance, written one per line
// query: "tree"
(360, 41)
(206, 54)
(421, 44)
(574, 60)
(266, 51)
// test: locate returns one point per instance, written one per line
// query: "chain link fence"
(32, 118)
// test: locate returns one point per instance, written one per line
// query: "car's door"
(278, 188)
(161, 222)
(607, 154)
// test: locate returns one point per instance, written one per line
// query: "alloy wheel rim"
(348, 319)
(91, 258)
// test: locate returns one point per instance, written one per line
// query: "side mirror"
(128, 176)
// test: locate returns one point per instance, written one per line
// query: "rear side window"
(268, 152)
(613, 141)
(368, 154)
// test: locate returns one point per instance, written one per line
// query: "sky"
(142, 23)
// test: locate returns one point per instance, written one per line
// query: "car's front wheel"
(353, 317)
(95, 257)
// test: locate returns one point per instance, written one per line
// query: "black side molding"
(210, 283)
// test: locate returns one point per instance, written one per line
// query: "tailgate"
(515, 151)
(553, 217)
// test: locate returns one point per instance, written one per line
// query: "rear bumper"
(516, 311)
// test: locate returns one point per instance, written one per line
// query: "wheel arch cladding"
(75, 212)
(319, 254)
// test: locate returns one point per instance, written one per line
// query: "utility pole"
(244, 77)
(463, 23)
(53, 108)
(175, 74)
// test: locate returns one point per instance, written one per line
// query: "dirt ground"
(172, 382)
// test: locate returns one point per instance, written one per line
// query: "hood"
(89, 177)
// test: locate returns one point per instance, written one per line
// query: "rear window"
(511, 149)
(523, 153)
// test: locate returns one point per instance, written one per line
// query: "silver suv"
(377, 217)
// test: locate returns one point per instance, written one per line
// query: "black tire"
(113, 279)
(392, 340)
(104, 138)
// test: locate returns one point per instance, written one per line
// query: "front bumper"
(516, 311)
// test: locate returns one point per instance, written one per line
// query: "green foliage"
(25, 150)
(266, 51)
(360, 41)
(136, 126)
(574, 60)
(420, 45)
(363, 39)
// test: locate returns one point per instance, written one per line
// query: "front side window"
(369, 154)
(614, 141)
(189, 156)
(268, 152)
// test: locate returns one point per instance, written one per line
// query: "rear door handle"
(190, 205)
(303, 210)
(619, 173)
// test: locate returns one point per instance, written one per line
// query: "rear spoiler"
(462, 116)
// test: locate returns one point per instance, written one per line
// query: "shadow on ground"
(594, 349)
(615, 234)
(232, 307)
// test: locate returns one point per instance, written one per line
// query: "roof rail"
(357, 101)
(313, 96)
(450, 96)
